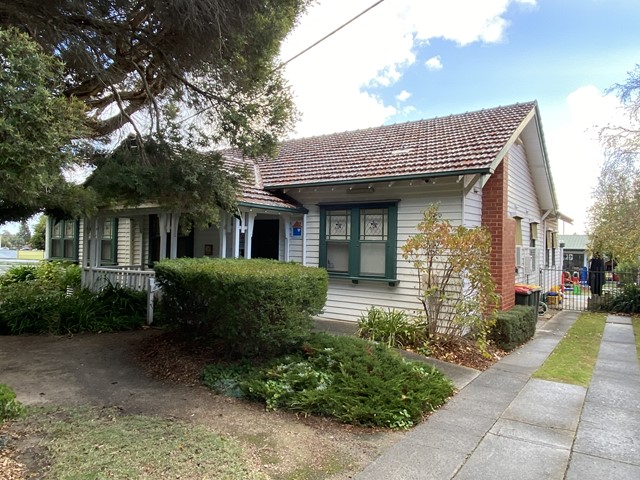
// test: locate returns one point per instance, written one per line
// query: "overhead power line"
(330, 34)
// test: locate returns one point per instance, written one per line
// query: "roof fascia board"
(390, 178)
(545, 161)
(274, 208)
(513, 138)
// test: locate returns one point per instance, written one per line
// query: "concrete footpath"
(504, 424)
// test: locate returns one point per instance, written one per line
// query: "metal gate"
(581, 290)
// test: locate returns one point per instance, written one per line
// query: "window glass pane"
(68, 248)
(374, 224)
(338, 225)
(106, 250)
(69, 229)
(56, 248)
(338, 257)
(372, 258)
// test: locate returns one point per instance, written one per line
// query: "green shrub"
(353, 380)
(627, 301)
(255, 307)
(10, 407)
(394, 328)
(37, 306)
(514, 327)
(18, 274)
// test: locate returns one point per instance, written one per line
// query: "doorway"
(265, 242)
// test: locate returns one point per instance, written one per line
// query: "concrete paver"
(503, 424)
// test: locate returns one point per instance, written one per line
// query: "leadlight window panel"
(374, 224)
(338, 225)
(106, 231)
(57, 230)
(69, 229)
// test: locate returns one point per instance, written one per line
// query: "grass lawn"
(574, 359)
(30, 254)
(104, 443)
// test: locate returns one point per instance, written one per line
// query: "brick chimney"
(503, 233)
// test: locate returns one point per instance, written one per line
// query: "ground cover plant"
(353, 380)
(105, 443)
(47, 298)
(574, 358)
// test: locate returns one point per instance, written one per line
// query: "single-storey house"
(348, 201)
(575, 252)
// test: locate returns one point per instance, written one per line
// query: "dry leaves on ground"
(10, 468)
(465, 352)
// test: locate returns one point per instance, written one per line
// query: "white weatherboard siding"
(346, 300)
(523, 203)
(472, 206)
(123, 239)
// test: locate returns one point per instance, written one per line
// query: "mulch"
(465, 352)
(10, 468)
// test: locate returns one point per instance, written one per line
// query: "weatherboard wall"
(346, 300)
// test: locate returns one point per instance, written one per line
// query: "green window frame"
(63, 244)
(358, 241)
(109, 245)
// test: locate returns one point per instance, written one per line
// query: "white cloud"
(575, 153)
(403, 96)
(434, 63)
(374, 51)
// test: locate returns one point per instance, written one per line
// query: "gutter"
(389, 178)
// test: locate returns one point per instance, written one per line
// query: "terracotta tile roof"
(252, 190)
(445, 145)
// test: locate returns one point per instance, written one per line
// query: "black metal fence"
(582, 290)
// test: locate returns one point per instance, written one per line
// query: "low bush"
(53, 275)
(10, 407)
(254, 307)
(394, 328)
(627, 301)
(35, 300)
(353, 380)
(514, 327)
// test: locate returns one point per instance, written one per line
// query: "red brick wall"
(503, 234)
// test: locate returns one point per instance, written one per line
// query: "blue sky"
(411, 59)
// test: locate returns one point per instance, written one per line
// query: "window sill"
(355, 280)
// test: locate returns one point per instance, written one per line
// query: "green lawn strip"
(635, 321)
(574, 358)
(92, 443)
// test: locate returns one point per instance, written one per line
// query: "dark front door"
(265, 240)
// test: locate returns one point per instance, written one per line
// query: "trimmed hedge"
(514, 327)
(255, 307)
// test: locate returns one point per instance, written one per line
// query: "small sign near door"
(296, 229)
(208, 249)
